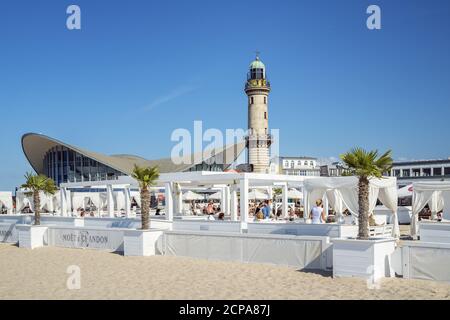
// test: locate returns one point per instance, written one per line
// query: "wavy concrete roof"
(35, 146)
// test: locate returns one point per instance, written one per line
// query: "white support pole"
(127, 194)
(223, 200)
(62, 193)
(243, 186)
(234, 204)
(227, 209)
(69, 202)
(179, 199)
(285, 208)
(325, 205)
(169, 201)
(110, 200)
(305, 204)
(270, 191)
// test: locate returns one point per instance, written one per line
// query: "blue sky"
(137, 70)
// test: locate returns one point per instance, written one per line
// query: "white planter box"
(369, 259)
(31, 236)
(434, 231)
(141, 242)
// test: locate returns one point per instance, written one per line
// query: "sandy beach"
(41, 274)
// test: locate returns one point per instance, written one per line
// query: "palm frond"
(367, 163)
(146, 176)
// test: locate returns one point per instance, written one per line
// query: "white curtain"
(137, 197)
(388, 196)
(446, 207)
(314, 195)
(373, 197)
(77, 201)
(436, 204)
(120, 200)
(95, 198)
(420, 200)
(350, 198)
(6, 200)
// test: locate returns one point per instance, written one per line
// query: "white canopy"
(6, 200)
(25, 199)
(342, 192)
(215, 196)
(293, 194)
(81, 200)
(190, 195)
(256, 194)
(436, 195)
(406, 191)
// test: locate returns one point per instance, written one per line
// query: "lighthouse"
(258, 141)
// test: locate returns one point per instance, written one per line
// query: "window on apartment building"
(426, 172)
(437, 171)
(265, 115)
(396, 173)
(416, 172)
(447, 171)
(405, 172)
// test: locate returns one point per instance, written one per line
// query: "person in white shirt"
(317, 214)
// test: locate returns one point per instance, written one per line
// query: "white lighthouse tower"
(257, 89)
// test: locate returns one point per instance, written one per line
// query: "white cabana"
(406, 191)
(25, 199)
(190, 196)
(342, 193)
(6, 201)
(436, 195)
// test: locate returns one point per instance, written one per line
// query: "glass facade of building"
(207, 167)
(65, 165)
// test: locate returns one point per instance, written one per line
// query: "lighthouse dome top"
(257, 64)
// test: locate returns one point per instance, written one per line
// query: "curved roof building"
(66, 163)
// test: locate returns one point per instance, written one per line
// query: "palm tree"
(35, 184)
(365, 165)
(146, 177)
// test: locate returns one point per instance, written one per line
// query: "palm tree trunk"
(363, 202)
(37, 208)
(145, 208)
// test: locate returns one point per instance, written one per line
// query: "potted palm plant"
(32, 236)
(142, 242)
(364, 256)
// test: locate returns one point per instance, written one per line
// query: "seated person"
(372, 222)
(260, 215)
(221, 216)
